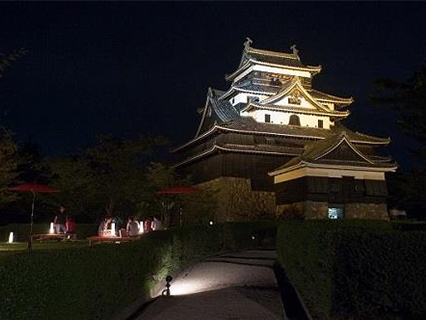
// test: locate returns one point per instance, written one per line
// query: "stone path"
(230, 286)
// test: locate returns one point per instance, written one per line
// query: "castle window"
(294, 120)
(335, 212)
(320, 123)
(267, 118)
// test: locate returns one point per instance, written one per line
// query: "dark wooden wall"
(332, 190)
(239, 165)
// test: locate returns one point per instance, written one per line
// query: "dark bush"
(355, 269)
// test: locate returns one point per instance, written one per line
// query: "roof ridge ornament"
(294, 50)
(247, 43)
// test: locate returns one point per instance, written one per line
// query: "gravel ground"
(230, 286)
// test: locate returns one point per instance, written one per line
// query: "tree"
(9, 162)
(7, 59)
(198, 208)
(107, 178)
(408, 100)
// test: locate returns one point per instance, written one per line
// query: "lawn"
(6, 247)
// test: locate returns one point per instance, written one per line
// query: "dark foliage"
(355, 269)
(408, 99)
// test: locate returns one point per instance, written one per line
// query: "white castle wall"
(280, 117)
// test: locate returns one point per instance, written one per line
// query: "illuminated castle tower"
(272, 146)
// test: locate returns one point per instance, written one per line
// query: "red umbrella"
(32, 188)
(182, 190)
(179, 190)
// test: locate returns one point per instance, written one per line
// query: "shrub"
(355, 269)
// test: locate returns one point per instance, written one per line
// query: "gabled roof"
(215, 111)
(335, 151)
(291, 86)
(342, 102)
(253, 56)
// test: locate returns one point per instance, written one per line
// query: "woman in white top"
(132, 227)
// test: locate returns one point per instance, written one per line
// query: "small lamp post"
(166, 292)
(10, 237)
(113, 229)
(51, 230)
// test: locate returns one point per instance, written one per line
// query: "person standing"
(157, 225)
(60, 220)
(148, 225)
(132, 227)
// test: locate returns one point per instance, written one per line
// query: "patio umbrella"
(179, 190)
(32, 188)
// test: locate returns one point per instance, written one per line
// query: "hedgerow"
(355, 269)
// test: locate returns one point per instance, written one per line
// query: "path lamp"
(10, 237)
(166, 292)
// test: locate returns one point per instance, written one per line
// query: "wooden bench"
(95, 239)
(53, 236)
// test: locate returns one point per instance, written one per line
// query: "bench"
(95, 239)
(53, 236)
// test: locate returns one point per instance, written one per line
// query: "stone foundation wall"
(303, 210)
(366, 211)
(238, 202)
(319, 210)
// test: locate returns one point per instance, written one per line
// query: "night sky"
(144, 68)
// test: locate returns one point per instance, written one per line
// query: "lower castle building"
(271, 146)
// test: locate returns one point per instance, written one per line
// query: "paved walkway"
(229, 286)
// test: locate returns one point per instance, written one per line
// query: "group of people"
(63, 223)
(133, 227)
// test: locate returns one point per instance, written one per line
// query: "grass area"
(6, 247)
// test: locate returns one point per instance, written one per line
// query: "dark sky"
(137, 68)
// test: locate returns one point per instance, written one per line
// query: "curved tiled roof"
(319, 153)
(328, 97)
(284, 59)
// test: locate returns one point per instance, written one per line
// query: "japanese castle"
(271, 146)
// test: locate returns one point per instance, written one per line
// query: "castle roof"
(251, 56)
(334, 151)
(247, 125)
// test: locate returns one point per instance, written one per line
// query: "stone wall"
(303, 210)
(238, 202)
(366, 211)
(319, 210)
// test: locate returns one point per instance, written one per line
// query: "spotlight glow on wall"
(113, 229)
(141, 230)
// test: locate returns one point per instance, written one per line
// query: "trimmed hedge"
(21, 231)
(97, 282)
(355, 269)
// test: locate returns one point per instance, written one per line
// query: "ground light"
(51, 230)
(166, 292)
(211, 222)
(10, 237)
